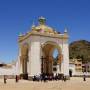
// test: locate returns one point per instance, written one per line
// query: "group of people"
(44, 77)
(5, 79)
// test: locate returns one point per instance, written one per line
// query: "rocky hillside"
(80, 49)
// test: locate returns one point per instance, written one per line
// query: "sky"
(17, 16)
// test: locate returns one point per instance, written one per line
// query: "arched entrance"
(48, 59)
(24, 60)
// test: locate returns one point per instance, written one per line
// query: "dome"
(42, 27)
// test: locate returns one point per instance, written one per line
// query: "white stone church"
(36, 51)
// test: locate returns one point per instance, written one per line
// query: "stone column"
(25, 65)
(35, 58)
(62, 67)
(29, 61)
(65, 64)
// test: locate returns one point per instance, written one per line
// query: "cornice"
(60, 36)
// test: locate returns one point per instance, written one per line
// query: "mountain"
(80, 49)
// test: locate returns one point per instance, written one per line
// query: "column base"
(24, 76)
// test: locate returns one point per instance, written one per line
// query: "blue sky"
(18, 15)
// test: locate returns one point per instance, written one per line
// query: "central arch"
(47, 52)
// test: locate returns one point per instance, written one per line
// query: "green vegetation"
(80, 49)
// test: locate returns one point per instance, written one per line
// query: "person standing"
(70, 73)
(84, 77)
(5, 79)
(16, 78)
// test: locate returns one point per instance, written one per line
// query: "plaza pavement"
(72, 84)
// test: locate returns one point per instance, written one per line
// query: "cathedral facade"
(36, 51)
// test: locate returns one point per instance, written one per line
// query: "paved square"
(73, 84)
